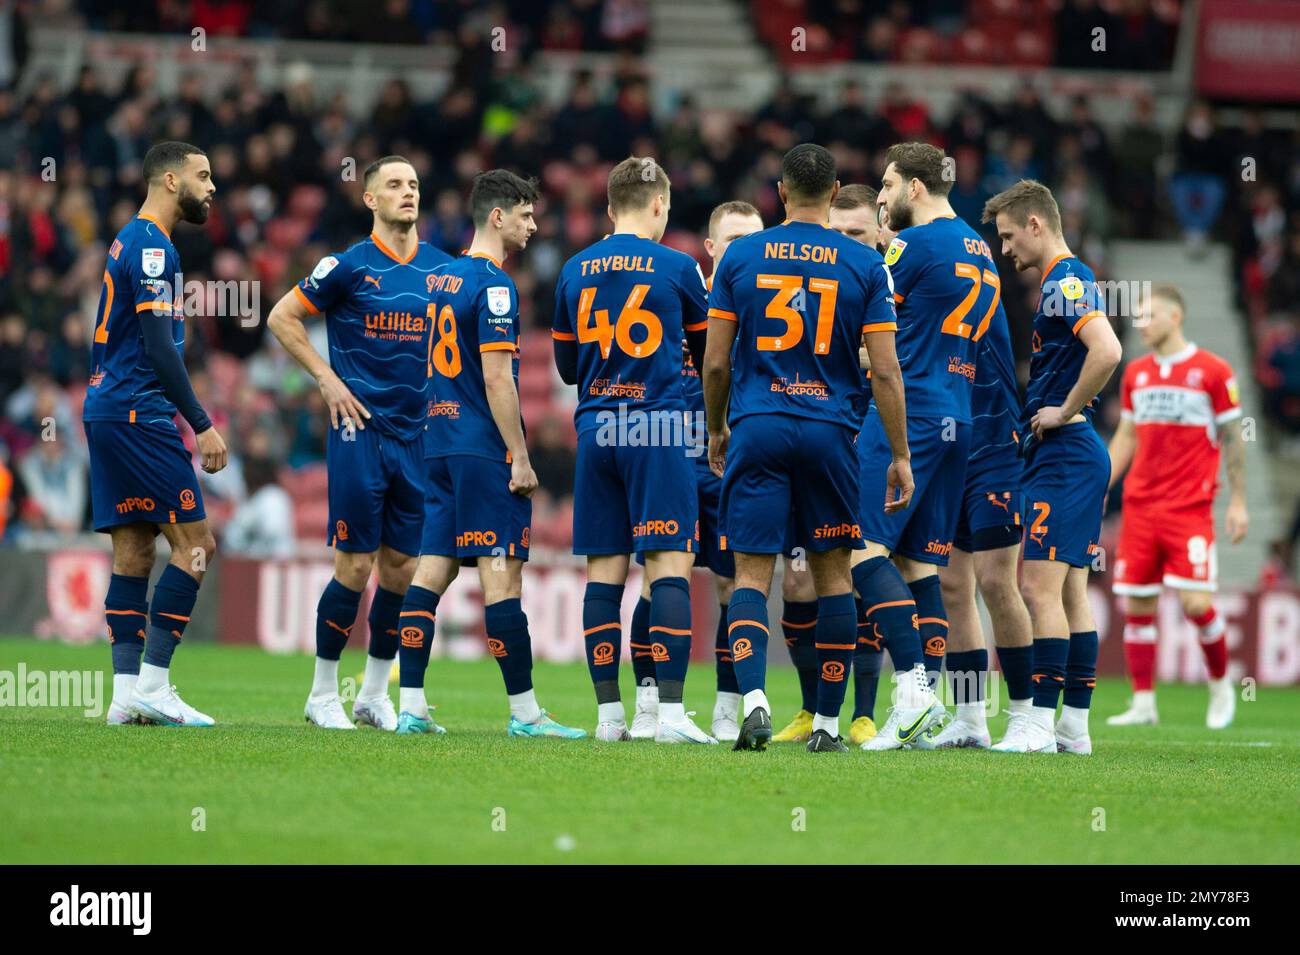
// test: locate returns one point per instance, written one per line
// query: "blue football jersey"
(476, 310)
(627, 301)
(377, 321)
(802, 295)
(947, 289)
(995, 402)
(1068, 300)
(141, 274)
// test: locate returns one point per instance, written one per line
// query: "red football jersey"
(1177, 404)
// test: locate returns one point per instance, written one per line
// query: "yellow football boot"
(862, 730)
(797, 730)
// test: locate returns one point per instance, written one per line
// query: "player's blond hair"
(635, 182)
(738, 206)
(1169, 293)
(1028, 197)
(854, 196)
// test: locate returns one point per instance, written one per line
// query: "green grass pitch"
(273, 789)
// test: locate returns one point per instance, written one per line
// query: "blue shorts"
(710, 555)
(470, 512)
(781, 464)
(924, 530)
(633, 499)
(376, 494)
(993, 507)
(1065, 490)
(141, 472)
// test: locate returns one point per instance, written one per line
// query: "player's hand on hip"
(343, 405)
(523, 479)
(1047, 418)
(213, 450)
(898, 479)
(1237, 521)
(718, 441)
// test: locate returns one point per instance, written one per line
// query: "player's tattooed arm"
(1237, 519)
(1122, 448)
(503, 400)
(286, 322)
(887, 392)
(715, 377)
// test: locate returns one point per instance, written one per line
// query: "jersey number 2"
(953, 324)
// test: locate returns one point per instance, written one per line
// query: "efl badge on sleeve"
(153, 261)
(895, 251)
(498, 300)
(1071, 287)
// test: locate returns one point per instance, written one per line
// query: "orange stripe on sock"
(797, 626)
(749, 623)
(404, 613)
(834, 646)
(603, 626)
(174, 616)
(891, 603)
(140, 612)
(938, 620)
(680, 633)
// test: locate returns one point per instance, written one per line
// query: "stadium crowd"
(280, 159)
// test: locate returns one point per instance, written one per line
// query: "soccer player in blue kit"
(1067, 467)
(478, 477)
(374, 297)
(142, 480)
(947, 290)
(796, 301)
(622, 309)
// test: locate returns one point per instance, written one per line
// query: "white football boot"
(327, 713)
(681, 730)
(1025, 734)
(1141, 711)
(379, 713)
(119, 715)
(1223, 704)
(916, 709)
(612, 731)
(1072, 742)
(959, 734)
(645, 720)
(165, 707)
(726, 718)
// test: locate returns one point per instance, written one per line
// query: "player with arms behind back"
(478, 476)
(728, 222)
(1179, 408)
(142, 480)
(795, 302)
(622, 309)
(374, 297)
(1075, 351)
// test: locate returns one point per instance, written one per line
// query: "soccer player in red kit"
(1180, 409)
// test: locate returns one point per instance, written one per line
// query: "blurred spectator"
(54, 479)
(1197, 188)
(262, 526)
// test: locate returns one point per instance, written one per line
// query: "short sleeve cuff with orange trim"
(302, 297)
(496, 346)
(1085, 319)
(880, 327)
(563, 336)
(723, 314)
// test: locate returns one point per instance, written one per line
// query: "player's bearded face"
(194, 208)
(900, 212)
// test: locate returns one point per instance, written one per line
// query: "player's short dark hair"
(738, 206)
(854, 196)
(163, 157)
(920, 161)
(499, 189)
(808, 171)
(373, 169)
(635, 182)
(1028, 197)
(1170, 293)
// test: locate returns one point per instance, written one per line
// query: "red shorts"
(1165, 547)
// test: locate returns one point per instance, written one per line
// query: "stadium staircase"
(1214, 323)
(693, 40)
